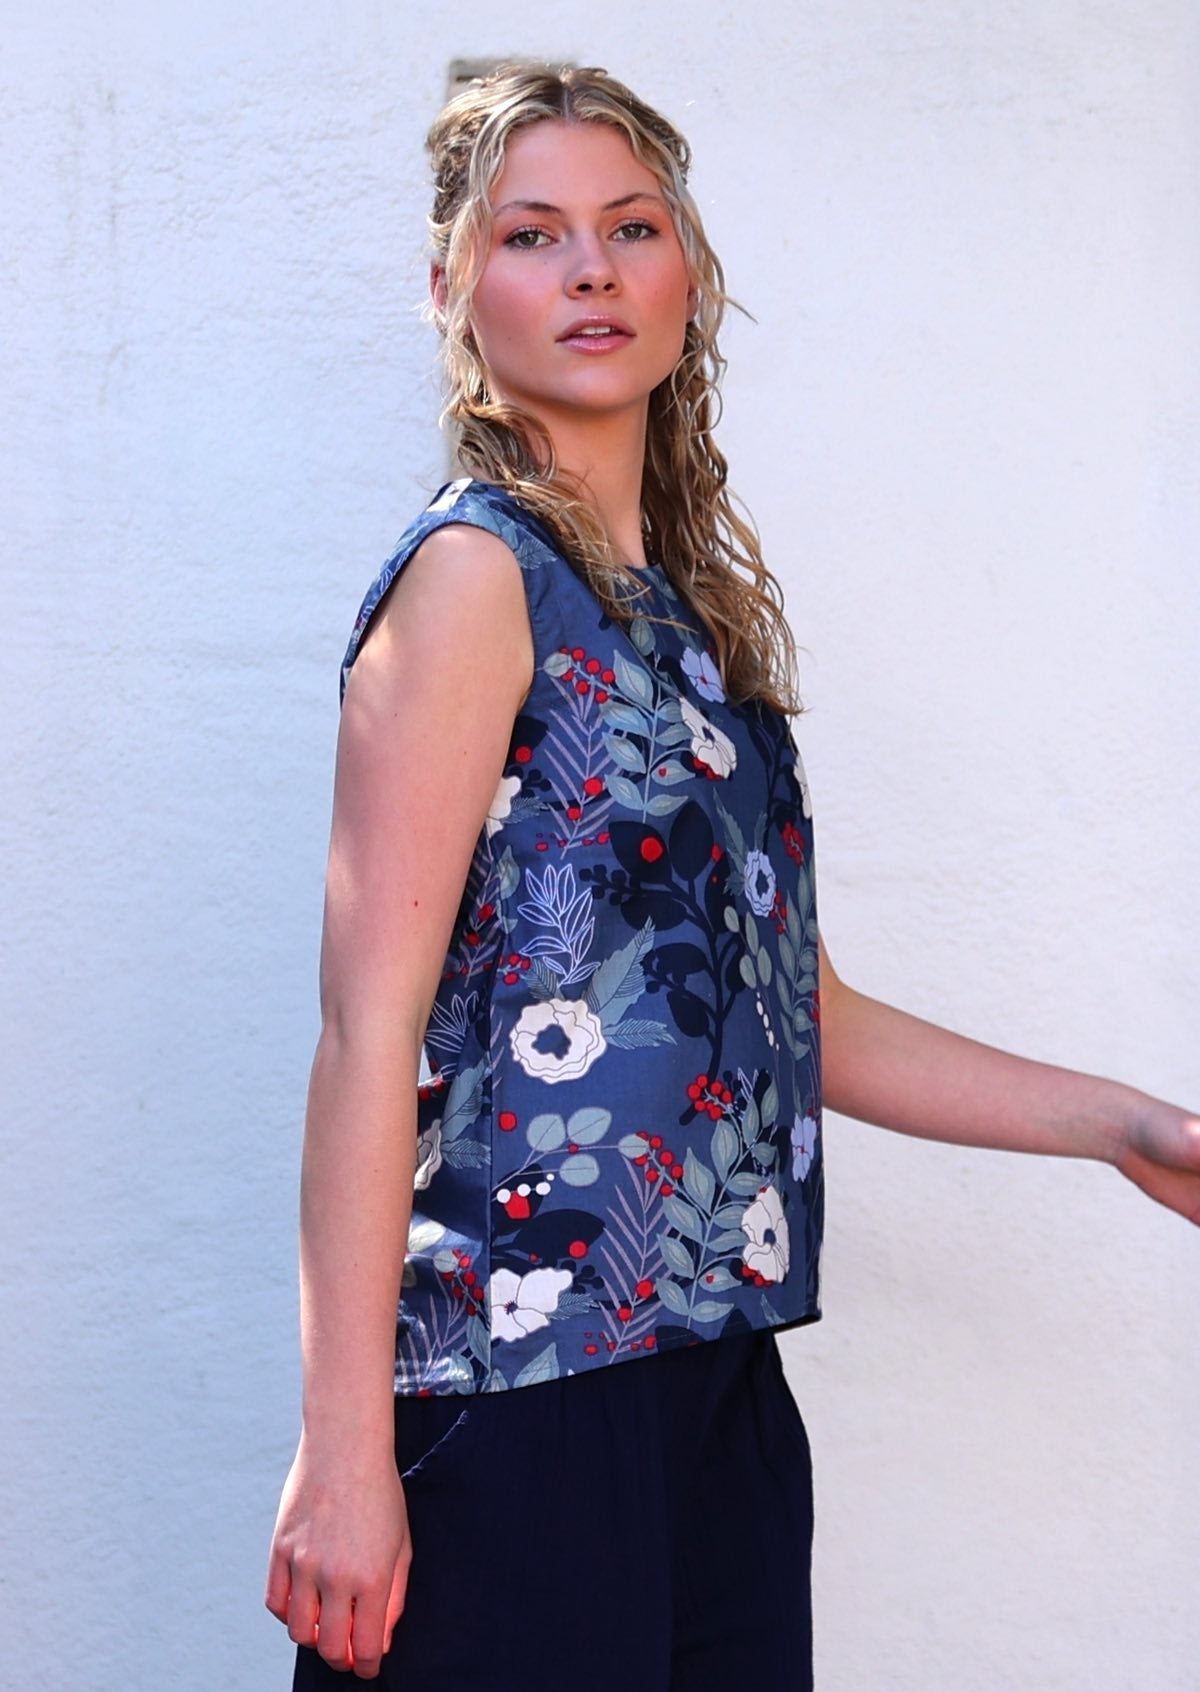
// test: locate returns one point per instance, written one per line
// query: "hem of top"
(806, 1320)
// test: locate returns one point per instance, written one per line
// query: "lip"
(572, 337)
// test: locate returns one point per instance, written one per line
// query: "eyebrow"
(556, 211)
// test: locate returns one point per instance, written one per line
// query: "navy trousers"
(647, 1526)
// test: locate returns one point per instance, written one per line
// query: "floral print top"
(619, 1104)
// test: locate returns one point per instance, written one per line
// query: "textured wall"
(966, 420)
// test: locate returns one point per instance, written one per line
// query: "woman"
(566, 1100)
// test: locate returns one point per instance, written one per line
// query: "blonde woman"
(578, 1019)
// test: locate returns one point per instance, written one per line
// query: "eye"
(518, 238)
(641, 229)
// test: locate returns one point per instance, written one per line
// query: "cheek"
(504, 307)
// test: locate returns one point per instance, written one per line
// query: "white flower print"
(802, 784)
(558, 1039)
(701, 670)
(709, 745)
(759, 883)
(521, 1304)
(501, 805)
(429, 1156)
(767, 1247)
(804, 1144)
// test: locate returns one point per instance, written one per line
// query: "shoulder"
(473, 553)
(458, 605)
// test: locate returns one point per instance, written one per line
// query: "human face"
(580, 231)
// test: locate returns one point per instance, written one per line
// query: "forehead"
(570, 165)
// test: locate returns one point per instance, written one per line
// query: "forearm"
(355, 1208)
(884, 1066)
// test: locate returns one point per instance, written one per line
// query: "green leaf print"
(724, 1148)
(543, 1367)
(709, 1310)
(579, 1170)
(588, 1125)
(546, 1133)
(627, 718)
(624, 792)
(627, 753)
(672, 1295)
(619, 980)
(682, 1217)
(633, 682)
(698, 1180)
(676, 1255)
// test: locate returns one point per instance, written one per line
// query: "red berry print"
(793, 842)
(508, 1120)
(709, 1098)
(651, 848)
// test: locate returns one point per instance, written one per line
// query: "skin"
(341, 1551)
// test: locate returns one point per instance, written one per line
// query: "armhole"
(473, 512)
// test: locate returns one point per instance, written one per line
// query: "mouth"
(597, 334)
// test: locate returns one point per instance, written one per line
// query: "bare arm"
(424, 735)
(882, 1065)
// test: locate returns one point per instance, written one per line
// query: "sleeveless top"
(619, 1100)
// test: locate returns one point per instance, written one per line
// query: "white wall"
(967, 422)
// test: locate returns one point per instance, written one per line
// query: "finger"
(279, 1585)
(366, 1633)
(304, 1610)
(396, 1599)
(333, 1630)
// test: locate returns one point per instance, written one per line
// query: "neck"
(608, 455)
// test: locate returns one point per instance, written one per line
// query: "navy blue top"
(620, 1098)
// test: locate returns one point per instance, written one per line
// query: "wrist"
(341, 1421)
(1124, 1120)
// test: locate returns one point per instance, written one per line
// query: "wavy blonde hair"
(688, 518)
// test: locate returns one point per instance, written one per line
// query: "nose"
(593, 271)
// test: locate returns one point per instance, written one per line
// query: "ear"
(438, 292)
(693, 300)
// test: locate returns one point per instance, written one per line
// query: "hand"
(1160, 1152)
(340, 1557)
